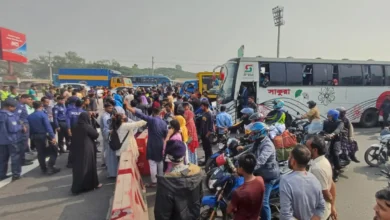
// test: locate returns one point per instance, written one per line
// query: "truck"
(92, 77)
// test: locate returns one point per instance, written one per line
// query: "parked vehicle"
(92, 77)
(378, 154)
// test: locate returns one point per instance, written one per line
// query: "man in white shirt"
(322, 170)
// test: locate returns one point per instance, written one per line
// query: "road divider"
(129, 201)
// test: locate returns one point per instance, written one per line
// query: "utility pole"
(50, 68)
(152, 66)
(278, 21)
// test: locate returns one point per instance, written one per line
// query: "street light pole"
(50, 68)
(278, 21)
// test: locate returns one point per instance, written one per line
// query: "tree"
(178, 67)
(135, 66)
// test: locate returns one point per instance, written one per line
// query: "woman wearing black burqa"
(85, 176)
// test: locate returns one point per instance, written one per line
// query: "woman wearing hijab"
(126, 132)
(85, 176)
(192, 134)
(174, 133)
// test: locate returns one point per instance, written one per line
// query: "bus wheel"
(369, 118)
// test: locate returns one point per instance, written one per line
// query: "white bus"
(359, 86)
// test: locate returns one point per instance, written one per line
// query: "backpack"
(114, 142)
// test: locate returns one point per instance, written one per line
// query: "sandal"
(151, 185)
(99, 186)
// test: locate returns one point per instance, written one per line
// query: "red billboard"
(12, 46)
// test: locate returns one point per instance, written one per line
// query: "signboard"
(12, 46)
(248, 73)
(10, 79)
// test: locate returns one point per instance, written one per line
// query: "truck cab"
(120, 82)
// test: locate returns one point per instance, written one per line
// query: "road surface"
(355, 189)
(41, 197)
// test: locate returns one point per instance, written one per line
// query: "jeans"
(266, 209)
(334, 151)
(44, 150)
(5, 152)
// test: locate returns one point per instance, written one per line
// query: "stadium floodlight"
(278, 21)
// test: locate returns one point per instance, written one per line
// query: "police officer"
(9, 128)
(40, 131)
(22, 137)
(59, 119)
(72, 116)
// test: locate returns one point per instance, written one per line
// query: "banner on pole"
(240, 52)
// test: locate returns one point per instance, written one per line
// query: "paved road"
(355, 189)
(39, 197)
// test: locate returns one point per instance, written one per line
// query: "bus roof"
(301, 60)
(156, 77)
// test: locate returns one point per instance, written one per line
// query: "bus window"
(335, 75)
(387, 76)
(119, 80)
(322, 74)
(350, 75)
(294, 74)
(307, 76)
(264, 75)
(373, 75)
(277, 74)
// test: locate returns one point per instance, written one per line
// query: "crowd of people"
(66, 121)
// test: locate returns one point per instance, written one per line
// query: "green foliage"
(40, 66)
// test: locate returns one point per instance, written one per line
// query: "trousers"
(206, 147)
(44, 150)
(266, 209)
(7, 151)
(63, 133)
(156, 168)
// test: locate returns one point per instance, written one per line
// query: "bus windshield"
(227, 89)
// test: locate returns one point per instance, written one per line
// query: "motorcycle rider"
(266, 164)
(277, 119)
(333, 127)
(348, 145)
(313, 113)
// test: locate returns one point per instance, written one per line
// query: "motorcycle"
(222, 146)
(225, 183)
(379, 152)
(213, 166)
(343, 160)
(299, 129)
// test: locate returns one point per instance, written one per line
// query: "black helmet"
(341, 109)
(232, 143)
(312, 104)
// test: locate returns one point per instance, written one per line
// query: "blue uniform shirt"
(21, 116)
(72, 116)
(224, 120)
(39, 124)
(9, 127)
(59, 114)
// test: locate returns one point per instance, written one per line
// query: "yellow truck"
(206, 83)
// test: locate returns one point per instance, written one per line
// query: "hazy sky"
(200, 34)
